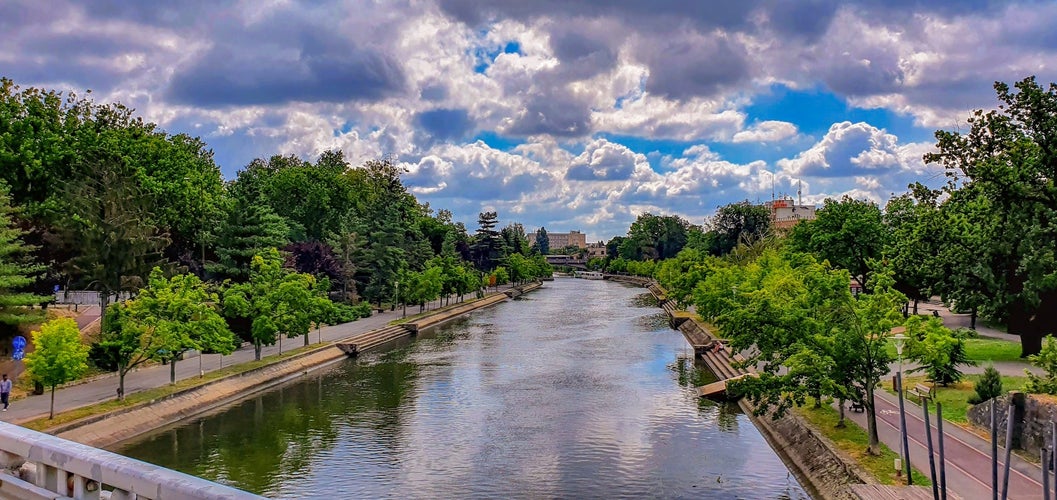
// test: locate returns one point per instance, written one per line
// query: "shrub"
(1047, 360)
(989, 386)
(344, 313)
(937, 349)
(103, 357)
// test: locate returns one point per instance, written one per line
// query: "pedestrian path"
(104, 388)
(967, 455)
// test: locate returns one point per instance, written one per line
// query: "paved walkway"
(968, 456)
(149, 377)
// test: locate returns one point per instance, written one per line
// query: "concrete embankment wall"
(114, 427)
(812, 458)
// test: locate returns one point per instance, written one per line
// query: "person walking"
(5, 391)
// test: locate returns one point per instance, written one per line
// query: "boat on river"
(589, 275)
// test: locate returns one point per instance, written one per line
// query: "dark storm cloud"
(682, 68)
(445, 124)
(582, 56)
(553, 113)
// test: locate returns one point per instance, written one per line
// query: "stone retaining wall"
(1031, 425)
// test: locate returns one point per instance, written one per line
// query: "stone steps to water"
(374, 338)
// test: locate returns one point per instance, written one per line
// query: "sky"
(573, 115)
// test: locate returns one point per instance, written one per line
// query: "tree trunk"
(915, 305)
(257, 350)
(51, 413)
(972, 319)
(306, 339)
(840, 423)
(121, 372)
(172, 370)
(874, 447)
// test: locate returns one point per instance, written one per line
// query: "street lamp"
(900, 341)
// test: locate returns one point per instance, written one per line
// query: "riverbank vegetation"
(814, 306)
(94, 198)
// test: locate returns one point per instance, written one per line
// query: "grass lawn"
(955, 398)
(983, 350)
(852, 440)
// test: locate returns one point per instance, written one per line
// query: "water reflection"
(578, 390)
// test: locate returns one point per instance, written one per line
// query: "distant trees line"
(93, 197)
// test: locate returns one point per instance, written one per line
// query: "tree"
(989, 386)
(113, 227)
(125, 342)
(16, 270)
(796, 319)
(736, 223)
(1003, 203)
(248, 229)
(654, 237)
(180, 314)
(848, 233)
(543, 242)
(915, 246)
(486, 247)
(1047, 360)
(936, 349)
(58, 356)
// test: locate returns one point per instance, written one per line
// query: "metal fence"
(86, 297)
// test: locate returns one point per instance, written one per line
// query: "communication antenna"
(798, 192)
(772, 188)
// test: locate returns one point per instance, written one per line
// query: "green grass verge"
(955, 398)
(983, 350)
(44, 423)
(852, 441)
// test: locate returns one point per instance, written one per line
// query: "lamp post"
(900, 341)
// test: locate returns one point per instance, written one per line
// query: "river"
(576, 390)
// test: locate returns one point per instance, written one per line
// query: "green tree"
(248, 229)
(180, 314)
(654, 237)
(989, 386)
(113, 227)
(848, 233)
(17, 272)
(58, 356)
(125, 341)
(937, 350)
(487, 243)
(543, 242)
(1003, 206)
(915, 245)
(736, 223)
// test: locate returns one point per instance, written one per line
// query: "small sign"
(19, 343)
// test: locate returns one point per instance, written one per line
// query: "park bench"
(922, 391)
(857, 407)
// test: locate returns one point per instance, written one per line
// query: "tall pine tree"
(249, 229)
(16, 271)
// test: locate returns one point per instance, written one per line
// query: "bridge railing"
(66, 469)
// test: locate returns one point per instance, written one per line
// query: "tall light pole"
(900, 341)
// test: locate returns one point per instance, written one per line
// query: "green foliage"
(344, 313)
(654, 237)
(1047, 360)
(914, 248)
(999, 229)
(179, 314)
(735, 224)
(543, 242)
(937, 349)
(17, 272)
(848, 233)
(248, 229)
(989, 386)
(58, 355)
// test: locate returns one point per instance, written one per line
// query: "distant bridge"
(567, 261)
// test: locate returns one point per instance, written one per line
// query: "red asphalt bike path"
(967, 456)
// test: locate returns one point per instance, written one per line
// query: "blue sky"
(570, 115)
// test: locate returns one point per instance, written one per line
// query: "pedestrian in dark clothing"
(5, 391)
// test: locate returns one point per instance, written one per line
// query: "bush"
(1047, 360)
(989, 386)
(103, 357)
(344, 313)
(937, 349)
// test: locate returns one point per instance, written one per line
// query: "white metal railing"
(66, 469)
(86, 297)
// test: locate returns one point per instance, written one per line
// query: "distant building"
(561, 240)
(596, 250)
(785, 213)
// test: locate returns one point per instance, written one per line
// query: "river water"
(577, 390)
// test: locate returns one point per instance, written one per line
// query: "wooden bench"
(857, 407)
(922, 391)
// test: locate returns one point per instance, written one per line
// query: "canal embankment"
(112, 427)
(816, 462)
